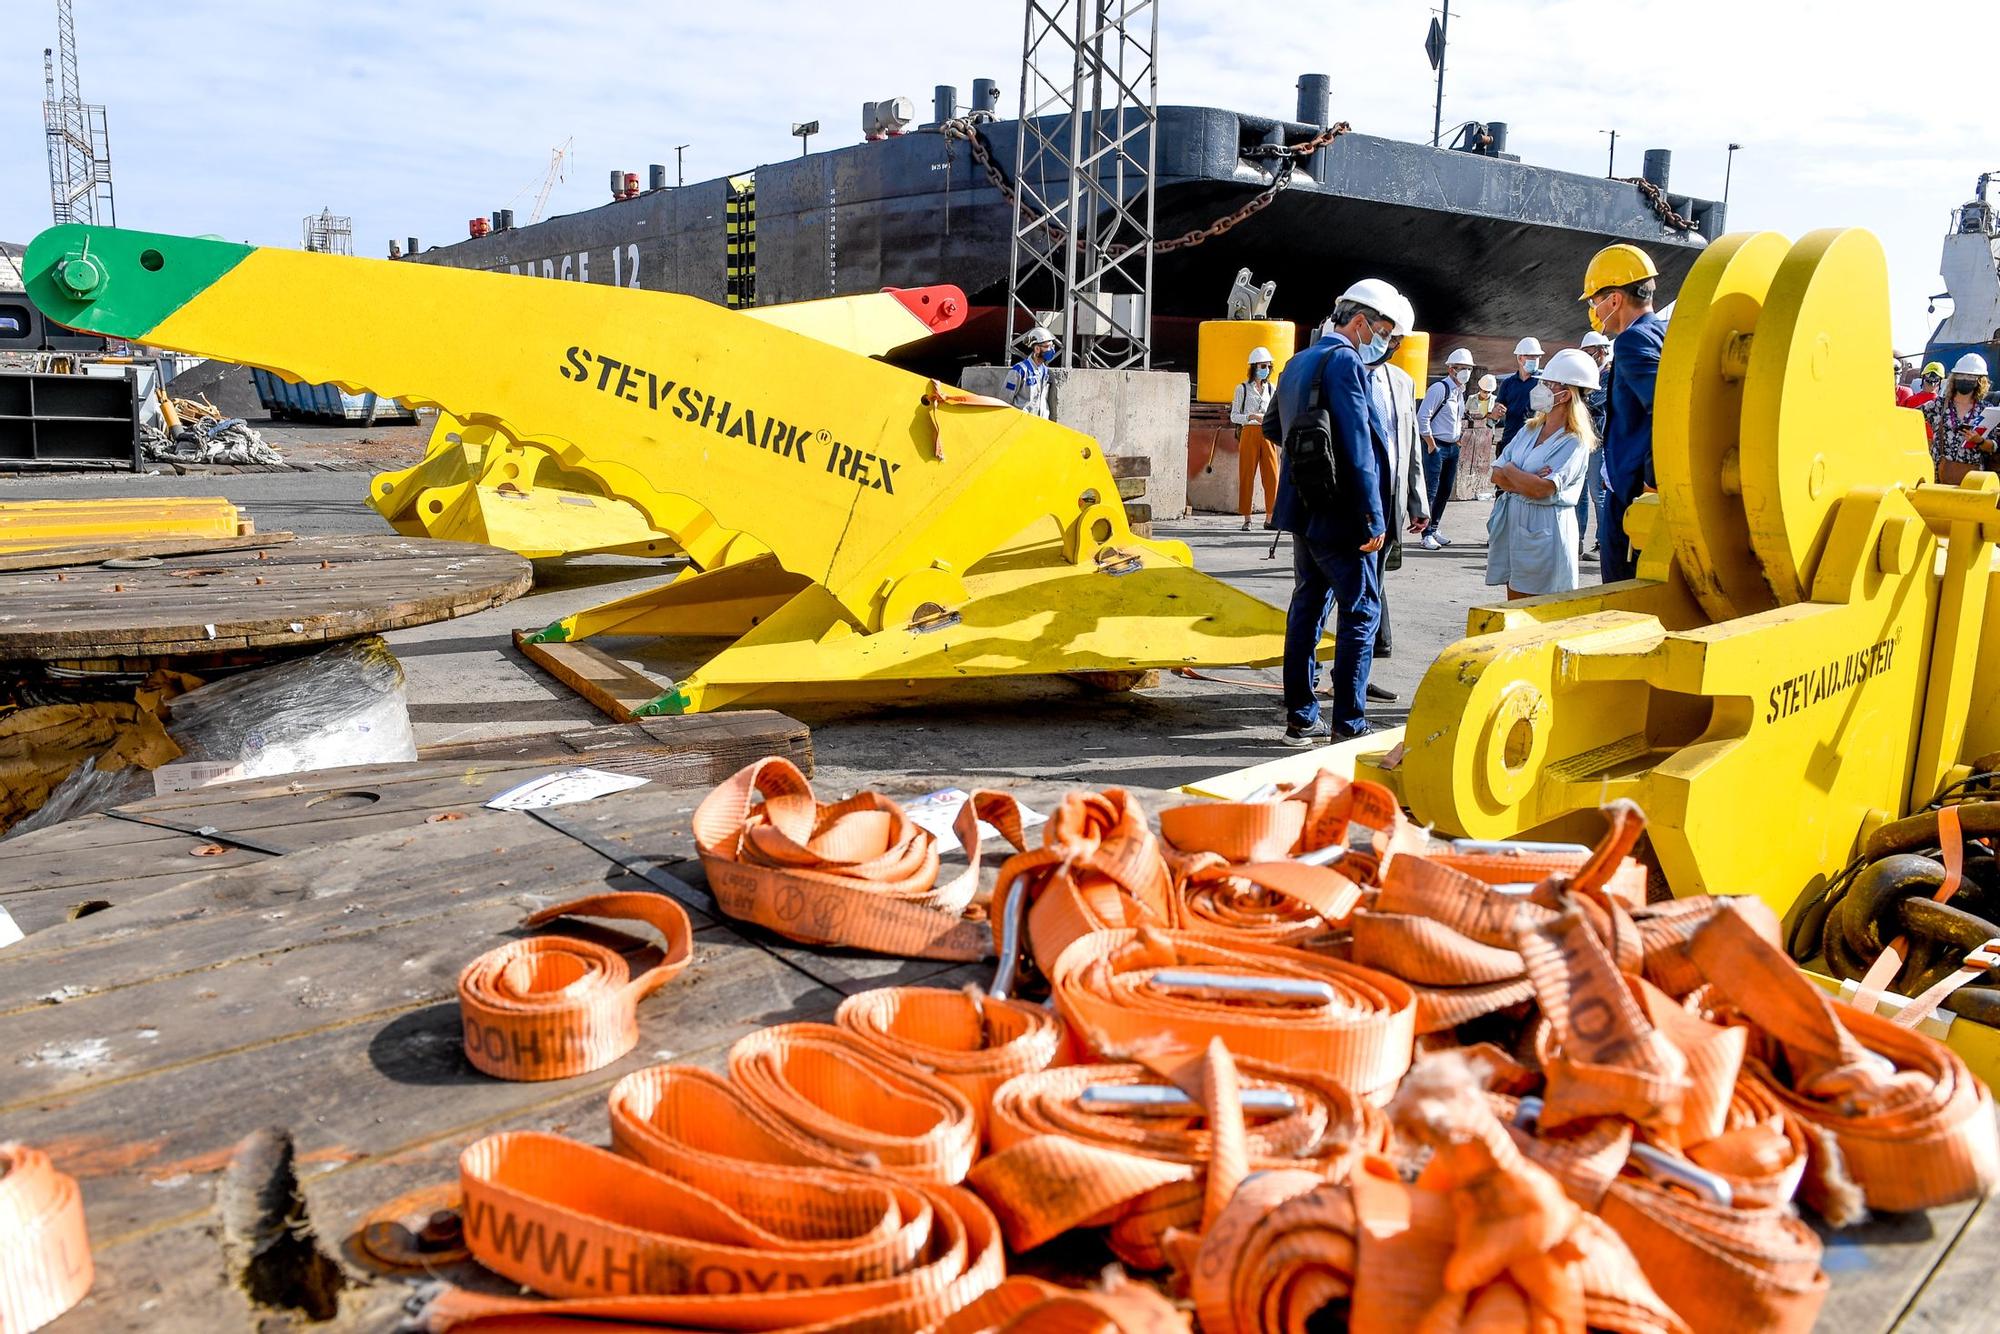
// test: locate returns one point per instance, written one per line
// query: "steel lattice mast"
(79, 138)
(1083, 176)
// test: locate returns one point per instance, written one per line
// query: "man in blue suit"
(1620, 285)
(1334, 538)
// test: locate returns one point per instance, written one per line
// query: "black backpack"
(1309, 449)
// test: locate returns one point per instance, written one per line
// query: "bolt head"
(80, 275)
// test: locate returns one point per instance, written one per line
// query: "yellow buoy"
(1222, 353)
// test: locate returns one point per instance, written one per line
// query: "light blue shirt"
(1531, 542)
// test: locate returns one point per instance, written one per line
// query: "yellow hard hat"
(1616, 266)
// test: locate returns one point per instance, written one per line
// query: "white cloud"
(240, 117)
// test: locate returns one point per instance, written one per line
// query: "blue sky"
(240, 118)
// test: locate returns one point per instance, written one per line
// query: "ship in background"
(1971, 271)
(1489, 248)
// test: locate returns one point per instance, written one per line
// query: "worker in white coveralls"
(1028, 379)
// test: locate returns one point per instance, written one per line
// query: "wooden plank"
(46, 874)
(1955, 1294)
(697, 748)
(97, 858)
(616, 690)
(330, 587)
(1880, 1266)
(96, 552)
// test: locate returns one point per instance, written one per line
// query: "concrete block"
(1126, 412)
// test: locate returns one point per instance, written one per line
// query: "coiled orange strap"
(1357, 1030)
(1099, 867)
(45, 1265)
(1059, 1162)
(840, 1092)
(1024, 1305)
(1913, 1127)
(555, 1006)
(858, 873)
(971, 1041)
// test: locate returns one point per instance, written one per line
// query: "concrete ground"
(467, 681)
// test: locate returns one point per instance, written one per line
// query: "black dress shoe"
(1381, 694)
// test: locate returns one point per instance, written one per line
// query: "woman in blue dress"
(1531, 536)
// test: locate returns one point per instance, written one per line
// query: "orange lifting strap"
(45, 1265)
(555, 1006)
(858, 873)
(970, 1040)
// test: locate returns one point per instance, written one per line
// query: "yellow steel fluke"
(914, 533)
(1812, 647)
(476, 484)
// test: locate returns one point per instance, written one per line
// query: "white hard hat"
(1258, 354)
(1571, 367)
(1458, 357)
(1970, 364)
(1403, 318)
(1380, 297)
(1040, 334)
(1595, 339)
(1528, 347)
(1487, 384)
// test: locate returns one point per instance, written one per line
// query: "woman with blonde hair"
(1958, 445)
(1531, 534)
(1255, 456)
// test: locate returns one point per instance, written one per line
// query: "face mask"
(1047, 354)
(1964, 386)
(1461, 375)
(1531, 365)
(1262, 373)
(1541, 398)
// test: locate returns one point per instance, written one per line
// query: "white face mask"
(1541, 398)
(1462, 374)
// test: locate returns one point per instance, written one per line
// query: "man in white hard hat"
(1028, 379)
(1330, 500)
(1440, 422)
(1399, 466)
(1515, 389)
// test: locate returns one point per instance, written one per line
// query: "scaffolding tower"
(327, 234)
(79, 139)
(1082, 248)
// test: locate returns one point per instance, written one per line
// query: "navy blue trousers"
(1323, 578)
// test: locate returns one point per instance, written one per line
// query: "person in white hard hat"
(1531, 531)
(1028, 379)
(1256, 454)
(1330, 500)
(1399, 467)
(1961, 440)
(1514, 390)
(1440, 423)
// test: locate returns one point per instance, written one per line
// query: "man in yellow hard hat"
(1620, 285)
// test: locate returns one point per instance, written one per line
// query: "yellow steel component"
(1222, 353)
(476, 484)
(1806, 412)
(32, 525)
(860, 482)
(1699, 403)
(1811, 645)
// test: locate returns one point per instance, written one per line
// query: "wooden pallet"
(319, 994)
